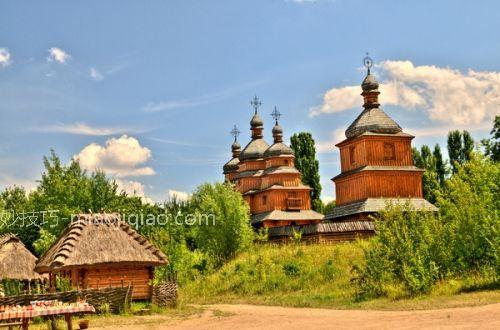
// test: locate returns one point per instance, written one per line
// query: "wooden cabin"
(17, 262)
(268, 180)
(376, 164)
(101, 250)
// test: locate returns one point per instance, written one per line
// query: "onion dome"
(369, 83)
(278, 148)
(372, 119)
(232, 165)
(256, 121)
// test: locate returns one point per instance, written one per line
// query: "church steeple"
(256, 124)
(235, 147)
(277, 130)
(369, 86)
(372, 119)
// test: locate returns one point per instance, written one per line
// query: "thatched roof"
(99, 239)
(16, 261)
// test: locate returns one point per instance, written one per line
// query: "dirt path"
(269, 317)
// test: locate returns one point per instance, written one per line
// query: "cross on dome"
(255, 103)
(276, 114)
(235, 132)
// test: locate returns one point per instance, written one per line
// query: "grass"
(317, 275)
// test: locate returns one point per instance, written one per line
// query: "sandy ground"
(269, 317)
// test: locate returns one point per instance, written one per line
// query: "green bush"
(412, 250)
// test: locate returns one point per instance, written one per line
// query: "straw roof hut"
(101, 250)
(16, 261)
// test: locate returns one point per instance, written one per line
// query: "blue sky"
(175, 76)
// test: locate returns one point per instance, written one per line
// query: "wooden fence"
(165, 294)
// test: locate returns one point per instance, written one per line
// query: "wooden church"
(267, 178)
(376, 163)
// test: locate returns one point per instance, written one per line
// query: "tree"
(440, 165)
(306, 162)
(430, 181)
(492, 145)
(222, 227)
(460, 148)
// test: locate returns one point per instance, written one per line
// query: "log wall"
(375, 184)
(376, 151)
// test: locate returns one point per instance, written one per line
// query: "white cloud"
(444, 95)
(58, 55)
(133, 188)
(119, 157)
(179, 195)
(327, 199)
(4, 57)
(79, 128)
(95, 74)
(329, 146)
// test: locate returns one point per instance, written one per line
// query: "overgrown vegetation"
(413, 251)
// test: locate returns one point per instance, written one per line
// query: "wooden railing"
(293, 203)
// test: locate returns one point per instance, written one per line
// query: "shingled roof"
(371, 205)
(372, 120)
(97, 239)
(277, 215)
(16, 261)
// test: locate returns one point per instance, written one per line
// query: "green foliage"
(306, 162)
(470, 208)
(222, 226)
(291, 269)
(435, 170)
(492, 145)
(460, 148)
(12, 287)
(44, 242)
(329, 207)
(414, 250)
(405, 253)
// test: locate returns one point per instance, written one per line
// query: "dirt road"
(269, 317)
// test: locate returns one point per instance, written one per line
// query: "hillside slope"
(316, 275)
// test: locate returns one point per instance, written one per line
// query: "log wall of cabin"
(280, 161)
(375, 184)
(113, 276)
(371, 150)
(277, 200)
(282, 179)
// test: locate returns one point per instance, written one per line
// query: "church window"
(352, 151)
(389, 151)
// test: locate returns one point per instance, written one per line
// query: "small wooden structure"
(16, 261)
(376, 164)
(268, 179)
(101, 250)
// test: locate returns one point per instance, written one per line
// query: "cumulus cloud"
(133, 188)
(179, 195)
(58, 55)
(119, 157)
(95, 74)
(4, 57)
(444, 95)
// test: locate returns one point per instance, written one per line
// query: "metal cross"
(255, 103)
(276, 114)
(235, 132)
(368, 62)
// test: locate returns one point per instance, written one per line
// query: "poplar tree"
(305, 161)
